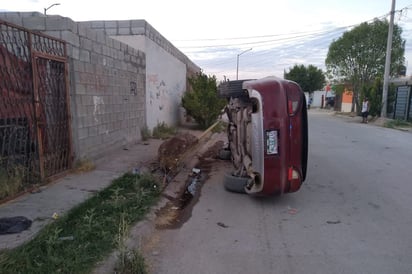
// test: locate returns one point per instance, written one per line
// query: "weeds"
(397, 123)
(163, 131)
(133, 263)
(145, 133)
(94, 230)
(11, 180)
(84, 165)
(220, 127)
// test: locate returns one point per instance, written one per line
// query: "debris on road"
(10, 225)
(292, 211)
(55, 216)
(66, 238)
(333, 222)
(222, 225)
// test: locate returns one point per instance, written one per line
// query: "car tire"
(225, 154)
(232, 89)
(305, 142)
(235, 184)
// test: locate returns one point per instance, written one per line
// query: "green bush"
(202, 101)
(163, 131)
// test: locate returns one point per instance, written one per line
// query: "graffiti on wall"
(163, 99)
(98, 107)
(133, 88)
(158, 92)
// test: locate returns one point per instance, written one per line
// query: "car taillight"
(294, 99)
(294, 179)
(292, 107)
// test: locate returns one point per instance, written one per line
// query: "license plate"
(271, 142)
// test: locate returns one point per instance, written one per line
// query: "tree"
(374, 92)
(358, 57)
(309, 78)
(202, 102)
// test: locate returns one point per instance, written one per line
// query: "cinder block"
(93, 131)
(137, 30)
(78, 67)
(73, 52)
(124, 23)
(95, 59)
(106, 50)
(12, 17)
(97, 25)
(91, 34)
(86, 43)
(35, 23)
(101, 37)
(83, 133)
(117, 44)
(110, 24)
(124, 31)
(89, 68)
(84, 55)
(138, 23)
(54, 33)
(111, 32)
(70, 37)
(84, 25)
(60, 23)
(97, 48)
(80, 89)
(109, 41)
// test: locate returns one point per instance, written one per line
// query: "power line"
(317, 39)
(290, 36)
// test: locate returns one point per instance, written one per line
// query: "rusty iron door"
(51, 107)
(35, 131)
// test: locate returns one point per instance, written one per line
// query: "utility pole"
(237, 64)
(387, 63)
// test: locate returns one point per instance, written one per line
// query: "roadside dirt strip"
(183, 164)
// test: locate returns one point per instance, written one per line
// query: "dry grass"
(84, 165)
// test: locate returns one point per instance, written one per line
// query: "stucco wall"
(165, 81)
(107, 84)
(165, 85)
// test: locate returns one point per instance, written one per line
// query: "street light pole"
(237, 65)
(46, 9)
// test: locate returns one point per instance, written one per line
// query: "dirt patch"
(213, 151)
(172, 151)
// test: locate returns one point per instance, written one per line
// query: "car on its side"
(267, 134)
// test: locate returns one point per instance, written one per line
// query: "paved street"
(352, 215)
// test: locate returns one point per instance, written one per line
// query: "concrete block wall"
(167, 68)
(107, 84)
(141, 27)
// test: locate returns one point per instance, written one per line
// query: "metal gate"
(35, 132)
(403, 102)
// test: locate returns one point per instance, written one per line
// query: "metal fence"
(403, 102)
(35, 132)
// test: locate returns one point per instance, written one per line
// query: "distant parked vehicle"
(330, 102)
(268, 135)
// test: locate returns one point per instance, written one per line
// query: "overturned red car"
(267, 134)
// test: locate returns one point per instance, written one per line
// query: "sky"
(244, 39)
